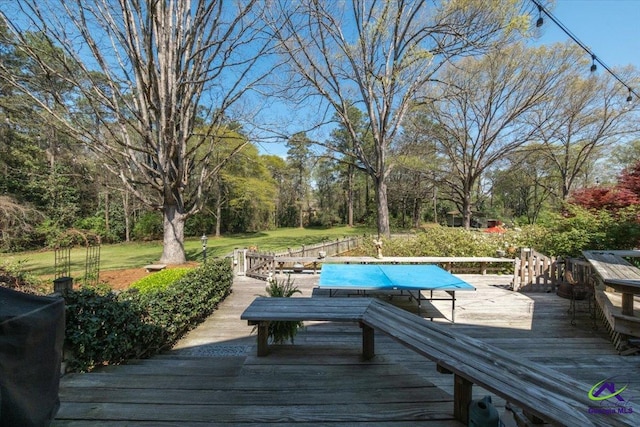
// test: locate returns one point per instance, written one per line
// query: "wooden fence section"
(262, 265)
(253, 263)
(532, 272)
(536, 272)
(325, 249)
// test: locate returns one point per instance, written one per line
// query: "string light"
(594, 58)
(540, 21)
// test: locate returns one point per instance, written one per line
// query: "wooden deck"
(213, 376)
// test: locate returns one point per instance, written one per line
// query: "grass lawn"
(139, 254)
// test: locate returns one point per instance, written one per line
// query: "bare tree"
(16, 219)
(379, 56)
(148, 74)
(481, 116)
(585, 115)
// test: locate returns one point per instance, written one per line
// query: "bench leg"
(627, 304)
(368, 342)
(263, 338)
(462, 389)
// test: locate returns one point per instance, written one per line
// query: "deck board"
(320, 380)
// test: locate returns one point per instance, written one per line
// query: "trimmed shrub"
(186, 302)
(101, 329)
(107, 328)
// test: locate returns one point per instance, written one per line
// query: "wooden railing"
(251, 262)
(324, 249)
(536, 272)
(533, 271)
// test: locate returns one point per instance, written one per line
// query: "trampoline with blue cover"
(412, 278)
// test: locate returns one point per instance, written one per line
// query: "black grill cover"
(31, 339)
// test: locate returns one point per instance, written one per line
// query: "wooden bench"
(541, 392)
(618, 275)
(154, 267)
(264, 310)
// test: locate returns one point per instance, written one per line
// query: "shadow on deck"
(213, 378)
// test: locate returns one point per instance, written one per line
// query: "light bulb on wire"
(540, 21)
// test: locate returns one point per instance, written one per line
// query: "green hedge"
(557, 234)
(441, 241)
(188, 301)
(107, 328)
(159, 280)
(578, 229)
(101, 329)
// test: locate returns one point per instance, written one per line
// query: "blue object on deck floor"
(482, 413)
(413, 278)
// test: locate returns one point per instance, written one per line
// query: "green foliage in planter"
(107, 328)
(281, 332)
(179, 307)
(100, 329)
(160, 280)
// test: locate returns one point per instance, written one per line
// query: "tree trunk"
(566, 187)
(350, 196)
(218, 189)
(301, 216)
(417, 212)
(107, 202)
(173, 248)
(218, 217)
(466, 210)
(383, 208)
(127, 216)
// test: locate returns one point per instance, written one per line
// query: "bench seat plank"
(545, 393)
(264, 310)
(618, 273)
(612, 267)
(317, 309)
(539, 390)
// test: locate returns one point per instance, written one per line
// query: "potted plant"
(282, 331)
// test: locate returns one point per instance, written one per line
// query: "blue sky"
(610, 28)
